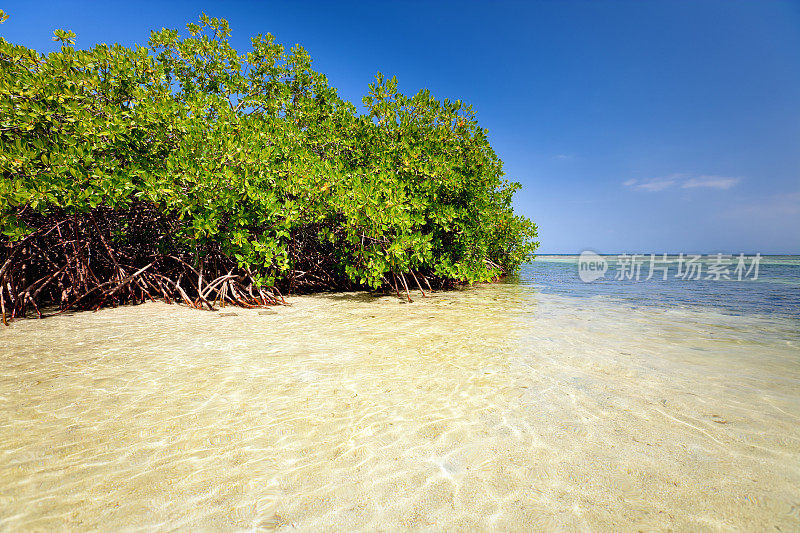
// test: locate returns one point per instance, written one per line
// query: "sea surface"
(538, 403)
(771, 290)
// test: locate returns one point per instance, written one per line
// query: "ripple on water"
(492, 408)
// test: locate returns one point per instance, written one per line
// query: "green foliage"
(256, 157)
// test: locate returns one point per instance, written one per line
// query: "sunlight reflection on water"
(499, 407)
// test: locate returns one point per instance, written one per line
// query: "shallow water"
(502, 407)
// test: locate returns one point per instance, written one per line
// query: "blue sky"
(633, 126)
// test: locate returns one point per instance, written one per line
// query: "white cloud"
(711, 182)
(657, 184)
(683, 181)
(652, 184)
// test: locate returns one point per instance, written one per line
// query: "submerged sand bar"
(492, 408)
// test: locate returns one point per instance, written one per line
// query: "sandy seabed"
(495, 408)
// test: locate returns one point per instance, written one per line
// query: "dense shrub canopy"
(189, 160)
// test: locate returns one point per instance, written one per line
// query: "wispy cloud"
(711, 182)
(683, 181)
(652, 184)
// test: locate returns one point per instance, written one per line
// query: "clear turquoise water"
(541, 404)
(776, 292)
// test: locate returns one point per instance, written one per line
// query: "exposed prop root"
(111, 258)
(418, 285)
(405, 286)
(72, 262)
(398, 280)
